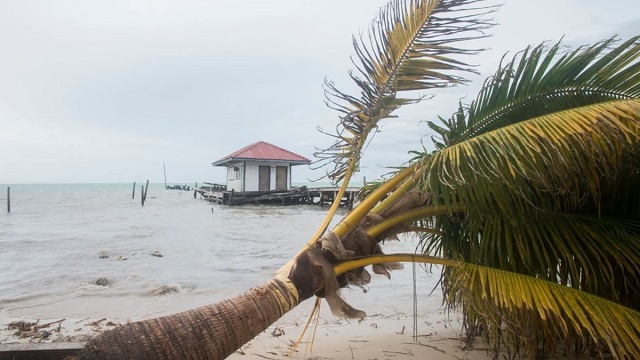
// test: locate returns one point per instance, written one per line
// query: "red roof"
(263, 151)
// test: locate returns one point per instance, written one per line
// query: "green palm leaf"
(539, 81)
(568, 153)
(522, 304)
(546, 164)
(516, 308)
(411, 46)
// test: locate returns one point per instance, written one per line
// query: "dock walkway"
(297, 196)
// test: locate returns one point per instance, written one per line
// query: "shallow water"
(59, 240)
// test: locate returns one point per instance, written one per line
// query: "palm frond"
(594, 254)
(411, 46)
(539, 81)
(569, 153)
(521, 305)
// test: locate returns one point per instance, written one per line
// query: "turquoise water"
(173, 254)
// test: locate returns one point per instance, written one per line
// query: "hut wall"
(252, 175)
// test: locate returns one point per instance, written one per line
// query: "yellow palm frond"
(538, 157)
(521, 304)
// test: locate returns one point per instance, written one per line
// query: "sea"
(94, 251)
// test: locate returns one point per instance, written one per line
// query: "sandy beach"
(376, 337)
(379, 336)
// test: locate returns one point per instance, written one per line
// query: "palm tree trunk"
(210, 332)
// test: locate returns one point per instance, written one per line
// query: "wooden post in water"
(146, 188)
(142, 195)
(8, 199)
(133, 194)
(165, 175)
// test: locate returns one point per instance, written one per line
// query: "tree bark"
(210, 332)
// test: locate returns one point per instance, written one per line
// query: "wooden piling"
(133, 194)
(142, 195)
(146, 189)
(165, 176)
(8, 199)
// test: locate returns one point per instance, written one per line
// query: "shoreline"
(379, 336)
(375, 337)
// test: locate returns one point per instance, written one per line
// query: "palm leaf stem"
(398, 193)
(350, 221)
(334, 206)
(410, 217)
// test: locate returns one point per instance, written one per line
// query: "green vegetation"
(531, 199)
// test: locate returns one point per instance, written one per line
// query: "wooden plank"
(41, 351)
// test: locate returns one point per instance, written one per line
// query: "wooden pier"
(297, 196)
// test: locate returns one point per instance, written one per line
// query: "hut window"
(236, 170)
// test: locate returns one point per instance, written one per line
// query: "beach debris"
(359, 341)
(401, 332)
(21, 326)
(33, 330)
(103, 281)
(278, 331)
(156, 254)
(165, 289)
(121, 257)
(172, 288)
(408, 352)
(103, 255)
(96, 323)
(95, 327)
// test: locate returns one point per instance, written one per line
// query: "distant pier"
(297, 196)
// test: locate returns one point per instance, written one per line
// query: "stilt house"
(260, 167)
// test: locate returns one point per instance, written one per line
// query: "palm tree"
(530, 200)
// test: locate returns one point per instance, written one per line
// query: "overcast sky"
(108, 91)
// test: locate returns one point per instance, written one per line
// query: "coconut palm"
(546, 164)
(530, 200)
(531, 203)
